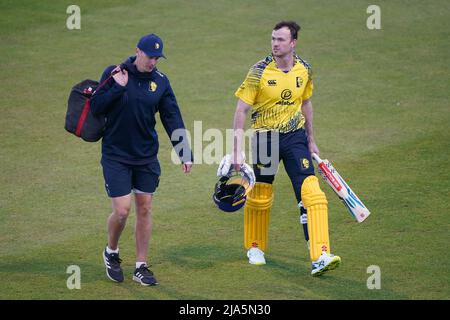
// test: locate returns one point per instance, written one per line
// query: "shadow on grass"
(198, 272)
(283, 276)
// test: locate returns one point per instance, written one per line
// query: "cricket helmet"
(230, 192)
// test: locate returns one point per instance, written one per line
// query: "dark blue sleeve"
(173, 124)
(104, 97)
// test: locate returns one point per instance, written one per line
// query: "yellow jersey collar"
(270, 59)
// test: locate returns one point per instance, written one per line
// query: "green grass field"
(381, 116)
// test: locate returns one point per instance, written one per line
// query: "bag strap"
(87, 105)
(107, 79)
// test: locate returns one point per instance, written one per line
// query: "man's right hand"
(120, 76)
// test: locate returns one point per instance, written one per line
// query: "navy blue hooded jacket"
(130, 136)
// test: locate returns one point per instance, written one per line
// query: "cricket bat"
(355, 206)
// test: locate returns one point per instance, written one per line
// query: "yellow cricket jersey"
(276, 97)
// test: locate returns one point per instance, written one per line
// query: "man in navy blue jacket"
(129, 101)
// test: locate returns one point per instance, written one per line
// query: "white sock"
(109, 251)
(138, 264)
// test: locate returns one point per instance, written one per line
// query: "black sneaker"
(144, 276)
(112, 264)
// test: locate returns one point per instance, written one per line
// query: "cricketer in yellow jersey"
(278, 91)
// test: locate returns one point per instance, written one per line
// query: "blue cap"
(152, 45)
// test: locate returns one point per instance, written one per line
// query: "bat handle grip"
(316, 157)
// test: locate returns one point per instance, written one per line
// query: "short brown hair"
(292, 25)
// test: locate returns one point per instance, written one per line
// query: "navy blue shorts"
(122, 178)
(292, 148)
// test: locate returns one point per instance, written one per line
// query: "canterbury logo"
(272, 82)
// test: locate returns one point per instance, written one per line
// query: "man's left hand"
(187, 167)
(313, 148)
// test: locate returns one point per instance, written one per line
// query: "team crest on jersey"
(152, 86)
(299, 82)
(305, 163)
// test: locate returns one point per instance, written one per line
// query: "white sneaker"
(256, 256)
(324, 263)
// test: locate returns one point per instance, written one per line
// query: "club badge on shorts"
(305, 163)
(152, 86)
